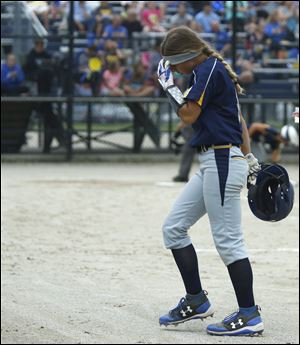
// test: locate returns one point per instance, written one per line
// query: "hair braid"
(210, 52)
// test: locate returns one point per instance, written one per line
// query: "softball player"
(220, 134)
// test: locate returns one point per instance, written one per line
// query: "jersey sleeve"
(203, 88)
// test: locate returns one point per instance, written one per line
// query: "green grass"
(114, 127)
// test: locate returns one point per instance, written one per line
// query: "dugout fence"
(102, 125)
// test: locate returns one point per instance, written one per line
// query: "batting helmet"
(272, 197)
(290, 134)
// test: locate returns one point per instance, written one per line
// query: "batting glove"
(254, 167)
(165, 75)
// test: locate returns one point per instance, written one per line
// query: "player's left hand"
(165, 75)
(254, 167)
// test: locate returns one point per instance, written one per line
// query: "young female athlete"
(211, 105)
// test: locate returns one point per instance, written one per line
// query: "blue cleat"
(239, 323)
(198, 308)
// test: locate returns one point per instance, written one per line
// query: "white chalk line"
(165, 184)
(253, 250)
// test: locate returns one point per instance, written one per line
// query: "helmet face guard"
(272, 197)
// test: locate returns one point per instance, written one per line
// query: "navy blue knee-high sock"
(187, 262)
(242, 280)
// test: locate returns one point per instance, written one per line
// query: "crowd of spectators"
(110, 64)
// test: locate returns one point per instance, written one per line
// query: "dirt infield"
(83, 261)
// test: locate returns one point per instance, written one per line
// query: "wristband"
(175, 97)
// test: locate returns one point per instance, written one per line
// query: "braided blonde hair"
(184, 40)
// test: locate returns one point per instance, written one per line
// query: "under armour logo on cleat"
(184, 312)
(239, 323)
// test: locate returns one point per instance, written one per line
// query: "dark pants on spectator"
(52, 125)
(187, 153)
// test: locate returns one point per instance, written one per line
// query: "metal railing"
(148, 128)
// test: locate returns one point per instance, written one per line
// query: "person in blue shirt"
(116, 31)
(275, 31)
(206, 17)
(211, 106)
(12, 77)
(82, 15)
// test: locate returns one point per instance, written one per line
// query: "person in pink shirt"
(112, 80)
(152, 16)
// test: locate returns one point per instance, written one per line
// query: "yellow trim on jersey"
(186, 92)
(200, 100)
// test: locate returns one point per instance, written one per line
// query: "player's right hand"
(254, 167)
(165, 75)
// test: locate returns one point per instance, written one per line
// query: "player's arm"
(254, 166)
(245, 147)
(189, 112)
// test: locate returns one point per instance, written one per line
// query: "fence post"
(70, 89)
(89, 125)
(234, 31)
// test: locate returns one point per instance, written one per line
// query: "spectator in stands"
(244, 69)
(112, 80)
(152, 16)
(254, 43)
(138, 82)
(12, 78)
(111, 52)
(206, 17)
(154, 59)
(89, 70)
(82, 15)
(57, 9)
(132, 23)
(241, 14)
(94, 36)
(116, 31)
(218, 7)
(104, 11)
(181, 17)
(275, 31)
(195, 26)
(264, 8)
(198, 5)
(137, 6)
(57, 12)
(289, 12)
(222, 39)
(39, 67)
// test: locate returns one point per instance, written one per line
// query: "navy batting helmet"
(272, 196)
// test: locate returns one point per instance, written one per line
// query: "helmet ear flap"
(272, 197)
(284, 199)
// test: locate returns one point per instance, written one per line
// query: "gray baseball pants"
(215, 189)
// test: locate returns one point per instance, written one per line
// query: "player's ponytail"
(182, 40)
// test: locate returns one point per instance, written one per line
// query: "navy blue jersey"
(212, 88)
